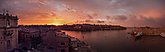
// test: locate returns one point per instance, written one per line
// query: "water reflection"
(119, 41)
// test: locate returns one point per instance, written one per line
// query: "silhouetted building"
(51, 39)
(8, 32)
(57, 40)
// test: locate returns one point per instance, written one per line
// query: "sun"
(57, 24)
(58, 21)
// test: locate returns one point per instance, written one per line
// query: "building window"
(62, 50)
(8, 44)
(26, 36)
(33, 36)
(8, 33)
(62, 43)
(8, 23)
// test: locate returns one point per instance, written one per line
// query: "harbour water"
(119, 41)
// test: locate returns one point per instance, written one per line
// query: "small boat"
(132, 33)
(162, 35)
(138, 35)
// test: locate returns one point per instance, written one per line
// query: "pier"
(146, 31)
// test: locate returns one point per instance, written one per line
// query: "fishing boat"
(137, 35)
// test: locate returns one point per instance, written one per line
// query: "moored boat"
(162, 35)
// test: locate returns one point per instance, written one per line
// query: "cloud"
(89, 21)
(117, 18)
(90, 17)
(93, 21)
(124, 12)
(28, 9)
(143, 21)
(100, 21)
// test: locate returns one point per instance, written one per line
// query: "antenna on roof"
(5, 12)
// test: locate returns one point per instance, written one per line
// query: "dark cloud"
(120, 18)
(93, 21)
(89, 21)
(90, 17)
(153, 22)
(27, 8)
(100, 21)
(117, 18)
(144, 21)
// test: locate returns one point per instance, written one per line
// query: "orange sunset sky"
(58, 12)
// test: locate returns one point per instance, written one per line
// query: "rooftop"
(3, 16)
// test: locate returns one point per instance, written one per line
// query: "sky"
(116, 12)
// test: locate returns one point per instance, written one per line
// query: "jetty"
(147, 31)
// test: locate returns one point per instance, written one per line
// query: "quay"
(147, 31)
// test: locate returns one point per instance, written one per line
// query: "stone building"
(8, 32)
(57, 40)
